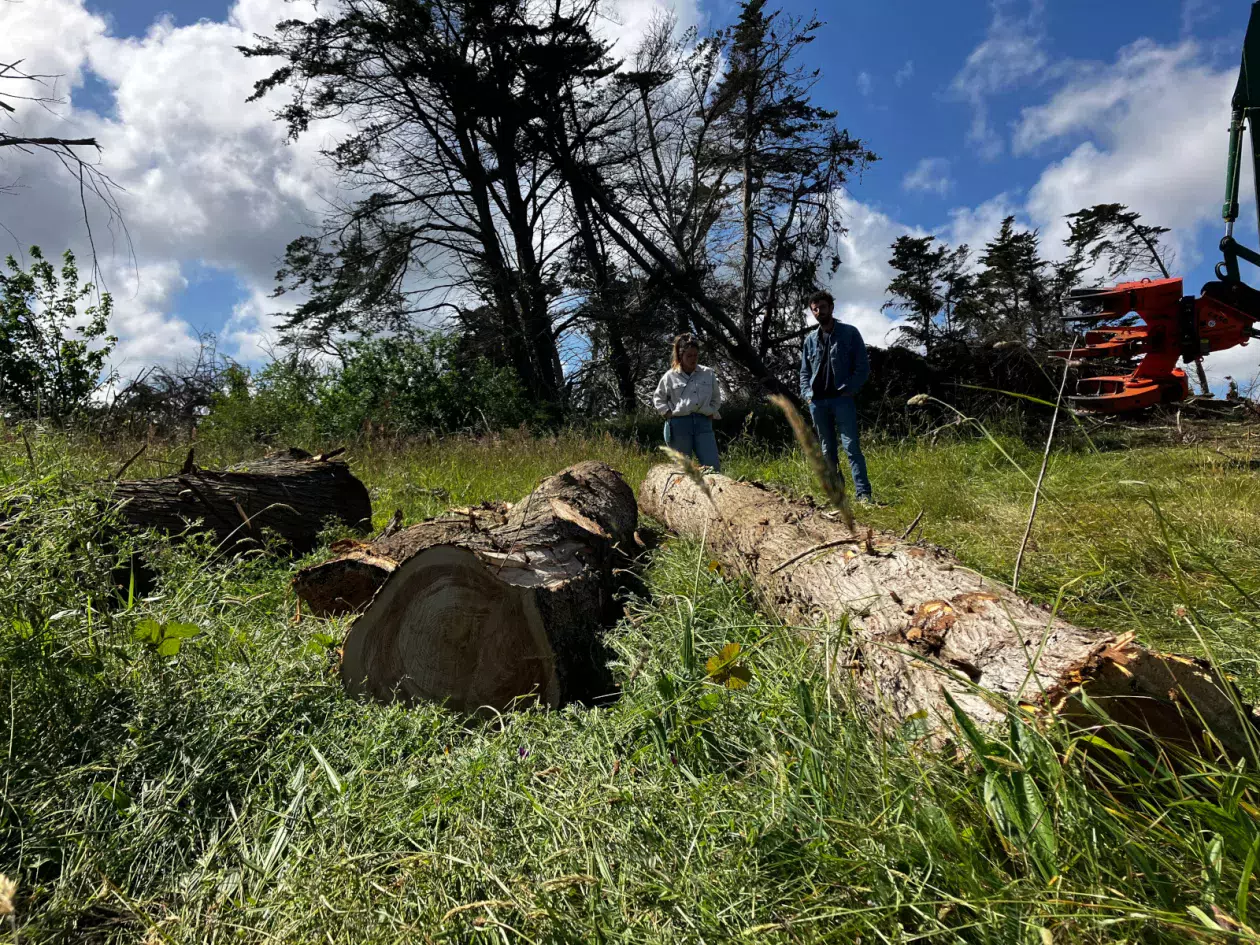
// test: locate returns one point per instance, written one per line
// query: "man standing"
(833, 369)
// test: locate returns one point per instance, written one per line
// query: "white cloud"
(1193, 12)
(624, 22)
(976, 226)
(202, 176)
(1166, 162)
(864, 83)
(252, 332)
(930, 176)
(148, 334)
(1010, 54)
(860, 285)
(904, 74)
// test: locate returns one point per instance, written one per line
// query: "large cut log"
(291, 494)
(345, 584)
(921, 624)
(489, 617)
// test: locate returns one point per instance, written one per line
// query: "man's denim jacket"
(849, 364)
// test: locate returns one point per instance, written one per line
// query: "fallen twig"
(817, 548)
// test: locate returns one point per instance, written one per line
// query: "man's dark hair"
(822, 295)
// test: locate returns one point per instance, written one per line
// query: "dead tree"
(921, 625)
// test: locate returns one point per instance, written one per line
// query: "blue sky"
(977, 109)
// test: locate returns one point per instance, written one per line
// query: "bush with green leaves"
(276, 402)
(416, 385)
(406, 386)
(54, 340)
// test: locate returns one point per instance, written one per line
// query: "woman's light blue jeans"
(693, 436)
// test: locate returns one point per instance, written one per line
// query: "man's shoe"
(871, 502)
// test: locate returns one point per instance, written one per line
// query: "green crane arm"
(1246, 111)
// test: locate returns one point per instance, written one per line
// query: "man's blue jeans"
(693, 436)
(830, 413)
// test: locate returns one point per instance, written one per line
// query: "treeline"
(562, 211)
(569, 209)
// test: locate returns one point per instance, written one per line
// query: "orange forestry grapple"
(1173, 327)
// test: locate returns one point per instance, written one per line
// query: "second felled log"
(922, 625)
(491, 616)
(290, 494)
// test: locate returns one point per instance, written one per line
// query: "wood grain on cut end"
(474, 616)
(445, 628)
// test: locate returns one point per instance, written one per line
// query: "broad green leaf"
(115, 795)
(169, 647)
(147, 630)
(181, 631)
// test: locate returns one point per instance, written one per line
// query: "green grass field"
(231, 793)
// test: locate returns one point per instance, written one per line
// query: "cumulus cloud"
(860, 285)
(202, 177)
(978, 225)
(1010, 54)
(904, 74)
(929, 176)
(865, 84)
(1164, 162)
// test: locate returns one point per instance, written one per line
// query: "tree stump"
(501, 616)
(923, 625)
(291, 494)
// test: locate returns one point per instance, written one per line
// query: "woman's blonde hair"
(682, 343)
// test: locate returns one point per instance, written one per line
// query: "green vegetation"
(54, 340)
(185, 768)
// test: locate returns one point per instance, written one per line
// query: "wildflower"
(522, 753)
(918, 400)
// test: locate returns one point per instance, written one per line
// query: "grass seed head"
(830, 480)
(690, 469)
(8, 888)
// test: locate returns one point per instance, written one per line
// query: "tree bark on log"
(490, 617)
(345, 584)
(292, 494)
(922, 624)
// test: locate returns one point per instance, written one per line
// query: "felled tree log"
(345, 584)
(923, 625)
(491, 616)
(291, 494)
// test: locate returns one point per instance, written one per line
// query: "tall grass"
(232, 793)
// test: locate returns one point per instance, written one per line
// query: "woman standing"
(688, 397)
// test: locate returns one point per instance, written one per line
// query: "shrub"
(403, 386)
(276, 402)
(53, 347)
(416, 385)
